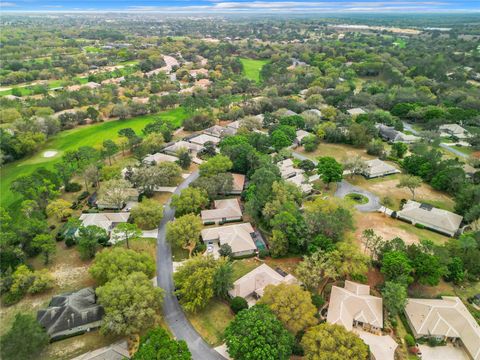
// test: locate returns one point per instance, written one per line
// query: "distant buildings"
(389, 134)
(71, 314)
(356, 111)
(454, 130)
(439, 220)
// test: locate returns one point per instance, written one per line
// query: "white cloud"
(7, 4)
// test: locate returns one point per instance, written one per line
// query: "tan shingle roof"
(354, 302)
(377, 167)
(104, 220)
(237, 236)
(238, 182)
(257, 279)
(226, 208)
(445, 317)
(159, 158)
(204, 138)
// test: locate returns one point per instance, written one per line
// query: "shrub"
(420, 226)
(238, 304)
(83, 195)
(317, 300)
(297, 349)
(73, 187)
(70, 241)
(262, 254)
(409, 339)
(200, 248)
(43, 281)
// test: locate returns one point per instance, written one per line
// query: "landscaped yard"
(212, 321)
(92, 135)
(243, 267)
(252, 67)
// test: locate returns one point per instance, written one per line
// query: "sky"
(242, 6)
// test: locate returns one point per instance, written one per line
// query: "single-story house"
(190, 147)
(302, 182)
(454, 130)
(238, 184)
(239, 237)
(106, 221)
(300, 134)
(71, 314)
(285, 112)
(219, 131)
(286, 168)
(158, 158)
(382, 347)
(389, 134)
(353, 306)
(235, 125)
(439, 220)
(445, 319)
(253, 284)
(116, 351)
(377, 168)
(131, 195)
(202, 139)
(356, 111)
(314, 112)
(226, 210)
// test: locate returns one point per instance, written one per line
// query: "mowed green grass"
(252, 67)
(92, 135)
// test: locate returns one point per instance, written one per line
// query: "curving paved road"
(173, 313)
(344, 188)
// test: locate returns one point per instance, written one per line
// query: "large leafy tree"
(291, 305)
(131, 303)
(215, 185)
(329, 170)
(333, 342)
(126, 232)
(59, 209)
(147, 214)
(45, 244)
(394, 297)
(89, 240)
(216, 165)
(114, 192)
(190, 200)
(185, 231)
(396, 267)
(24, 339)
(113, 263)
(411, 183)
(257, 334)
(158, 345)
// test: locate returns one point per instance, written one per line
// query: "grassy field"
(252, 67)
(92, 135)
(401, 43)
(338, 151)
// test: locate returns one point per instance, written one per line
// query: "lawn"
(401, 43)
(467, 150)
(212, 321)
(92, 135)
(243, 267)
(252, 67)
(338, 151)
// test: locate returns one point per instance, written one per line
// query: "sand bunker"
(50, 153)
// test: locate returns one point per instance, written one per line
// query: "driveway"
(453, 151)
(173, 313)
(344, 188)
(448, 352)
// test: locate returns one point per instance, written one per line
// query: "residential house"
(240, 237)
(439, 220)
(157, 158)
(353, 307)
(444, 319)
(377, 168)
(190, 147)
(106, 221)
(235, 125)
(71, 314)
(131, 196)
(238, 184)
(226, 210)
(286, 168)
(454, 130)
(302, 181)
(285, 112)
(252, 285)
(356, 111)
(219, 131)
(300, 135)
(202, 139)
(315, 112)
(116, 351)
(195, 72)
(389, 134)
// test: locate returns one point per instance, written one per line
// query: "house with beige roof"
(454, 130)
(252, 285)
(356, 111)
(377, 168)
(226, 210)
(116, 351)
(300, 134)
(239, 237)
(238, 184)
(190, 147)
(286, 169)
(157, 158)
(106, 221)
(353, 306)
(202, 139)
(446, 319)
(302, 181)
(219, 131)
(439, 220)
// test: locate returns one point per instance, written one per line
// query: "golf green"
(91, 135)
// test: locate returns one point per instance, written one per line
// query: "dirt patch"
(384, 226)
(286, 264)
(65, 275)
